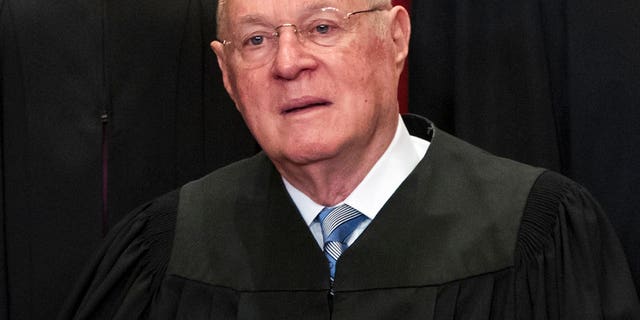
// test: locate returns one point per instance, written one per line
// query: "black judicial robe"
(466, 236)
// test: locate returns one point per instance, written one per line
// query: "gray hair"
(379, 3)
(220, 15)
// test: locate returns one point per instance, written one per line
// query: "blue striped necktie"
(337, 225)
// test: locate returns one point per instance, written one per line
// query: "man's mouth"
(302, 104)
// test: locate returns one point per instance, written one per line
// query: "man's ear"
(401, 33)
(218, 49)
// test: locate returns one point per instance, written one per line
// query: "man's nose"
(292, 56)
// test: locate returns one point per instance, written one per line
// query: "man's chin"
(302, 156)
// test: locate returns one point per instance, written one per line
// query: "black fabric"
(135, 79)
(4, 29)
(141, 245)
(604, 95)
(252, 215)
(549, 255)
(591, 282)
(550, 83)
(480, 70)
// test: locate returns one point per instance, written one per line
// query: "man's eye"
(322, 28)
(256, 40)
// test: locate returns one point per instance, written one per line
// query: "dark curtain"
(105, 105)
(547, 82)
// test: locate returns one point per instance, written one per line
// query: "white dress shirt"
(402, 155)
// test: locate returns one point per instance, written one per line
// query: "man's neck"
(329, 182)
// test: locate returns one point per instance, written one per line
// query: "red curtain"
(403, 90)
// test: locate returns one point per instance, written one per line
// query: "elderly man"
(352, 212)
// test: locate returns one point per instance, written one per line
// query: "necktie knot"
(338, 223)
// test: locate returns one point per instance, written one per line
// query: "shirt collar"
(394, 166)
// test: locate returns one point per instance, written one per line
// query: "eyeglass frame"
(276, 33)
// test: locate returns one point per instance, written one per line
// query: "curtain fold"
(105, 105)
(4, 312)
(481, 71)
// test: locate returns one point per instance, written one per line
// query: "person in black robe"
(463, 235)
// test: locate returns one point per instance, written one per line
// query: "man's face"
(308, 103)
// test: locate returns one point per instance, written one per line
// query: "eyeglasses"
(257, 42)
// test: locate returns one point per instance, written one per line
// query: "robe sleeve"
(124, 275)
(569, 262)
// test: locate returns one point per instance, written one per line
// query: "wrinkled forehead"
(232, 12)
(237, 9)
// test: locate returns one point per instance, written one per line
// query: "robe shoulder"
(568, 260)
(121, 279)
(126, 272)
